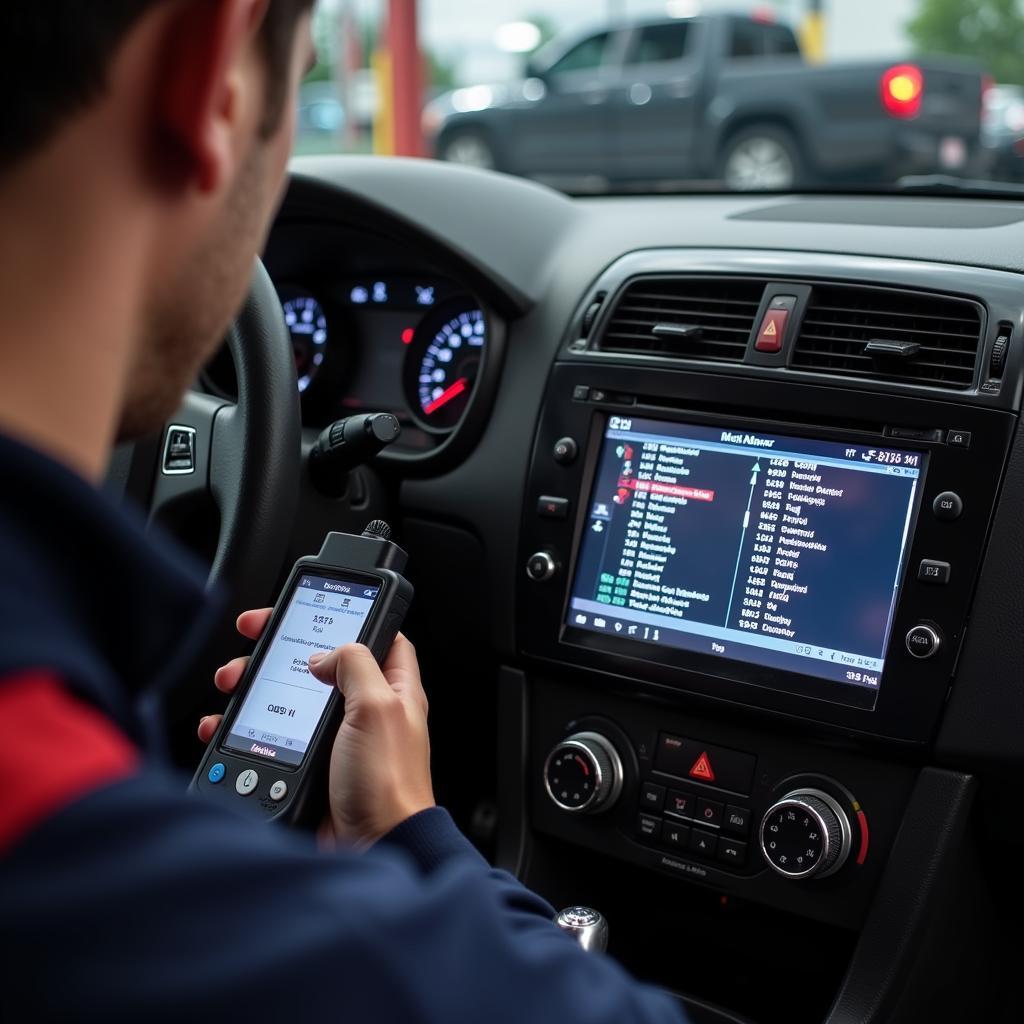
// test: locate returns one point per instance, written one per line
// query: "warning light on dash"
(408, 335)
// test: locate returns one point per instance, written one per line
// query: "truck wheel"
(762, 158)
(469, 148)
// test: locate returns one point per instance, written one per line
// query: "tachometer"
(307, 324)
(442, 365)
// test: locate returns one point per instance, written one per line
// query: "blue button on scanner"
(216, 773)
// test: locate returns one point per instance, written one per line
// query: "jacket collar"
(86, 591)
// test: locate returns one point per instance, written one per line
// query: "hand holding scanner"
(273, 747)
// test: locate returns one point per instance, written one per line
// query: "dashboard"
(379, 335)
(717, 499)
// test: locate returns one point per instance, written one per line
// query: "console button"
(216, 773)
(923, 642)
(652, 797)
(732, 851)
(703, 843)
(934, 572)
(709, 812)
(959, 439)
(773, 331)
(737, 820)
(580, 393)
(675, 835)
(565, 451)
(680, 803)
(552, 508)
(648, 827)
(948, 506)
(279, 790)
(246, 782)
(541, 567)
(702, 762)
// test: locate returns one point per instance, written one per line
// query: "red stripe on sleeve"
(53, 750)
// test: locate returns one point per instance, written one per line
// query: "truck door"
(657, 99)
(569, 130)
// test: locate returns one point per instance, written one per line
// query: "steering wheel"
(244, 457)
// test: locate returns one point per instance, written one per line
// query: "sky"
(463, 31)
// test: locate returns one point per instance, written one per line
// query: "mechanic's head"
(172, 120)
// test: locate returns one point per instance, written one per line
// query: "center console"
(743, 592)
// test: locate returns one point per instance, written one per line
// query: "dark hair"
(55, 55)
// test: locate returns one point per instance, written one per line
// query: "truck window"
(748, 39)
(781, 42)
(585, 56)
(656, 44)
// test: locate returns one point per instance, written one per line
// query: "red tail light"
(902, 90)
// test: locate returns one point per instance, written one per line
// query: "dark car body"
(675, 99)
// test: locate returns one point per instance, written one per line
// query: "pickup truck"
(724, 98)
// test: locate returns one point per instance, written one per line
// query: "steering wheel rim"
(247, 455)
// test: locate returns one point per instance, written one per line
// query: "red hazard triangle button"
(702, 768)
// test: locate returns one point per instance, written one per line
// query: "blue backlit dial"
(307, 324)
(442, 366)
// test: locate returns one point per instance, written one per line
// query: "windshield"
(679, 95)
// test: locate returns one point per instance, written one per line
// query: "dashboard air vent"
(702, 318)
(892, 335)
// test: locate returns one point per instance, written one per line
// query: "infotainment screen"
(780, 551)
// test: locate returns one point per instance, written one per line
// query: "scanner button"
(246, 782)
(279, 790)
(216, 773)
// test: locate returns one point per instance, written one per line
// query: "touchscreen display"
(779, 551)
(280, 714)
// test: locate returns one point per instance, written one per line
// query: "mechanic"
(142, 156)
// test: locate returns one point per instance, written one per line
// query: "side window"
(585, 56)
(781, 42)
(747, 40)
(656, 44)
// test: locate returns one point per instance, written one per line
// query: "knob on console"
(583, 774)
(806, 834)
(541, 567)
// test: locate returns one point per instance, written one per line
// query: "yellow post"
(812, 33)
(383, 118)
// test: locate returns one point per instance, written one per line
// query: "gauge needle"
(443, 399)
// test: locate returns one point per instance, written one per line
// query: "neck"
(68, 275)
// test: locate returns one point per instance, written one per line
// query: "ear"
(206, 85)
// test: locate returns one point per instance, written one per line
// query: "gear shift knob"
(589, 928)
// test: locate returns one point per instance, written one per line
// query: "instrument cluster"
(407, 345)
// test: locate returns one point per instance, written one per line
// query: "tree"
(989, 31)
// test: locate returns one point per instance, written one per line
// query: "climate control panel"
(779, 820)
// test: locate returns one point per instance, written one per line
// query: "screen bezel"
(848, 695)
(359, 577)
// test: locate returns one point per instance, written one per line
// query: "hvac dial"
(442, 365)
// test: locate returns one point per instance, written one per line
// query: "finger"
(251, 624)
(208, 727)
(402, 671)
(227, 676)
(354, 671)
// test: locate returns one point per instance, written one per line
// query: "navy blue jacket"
(122, 899)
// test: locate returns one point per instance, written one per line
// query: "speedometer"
(307, 324)
(442, 365)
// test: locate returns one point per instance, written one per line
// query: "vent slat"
(970, 339)
(840, 310)
(841, 320)
(724, 309)
(628, 309)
